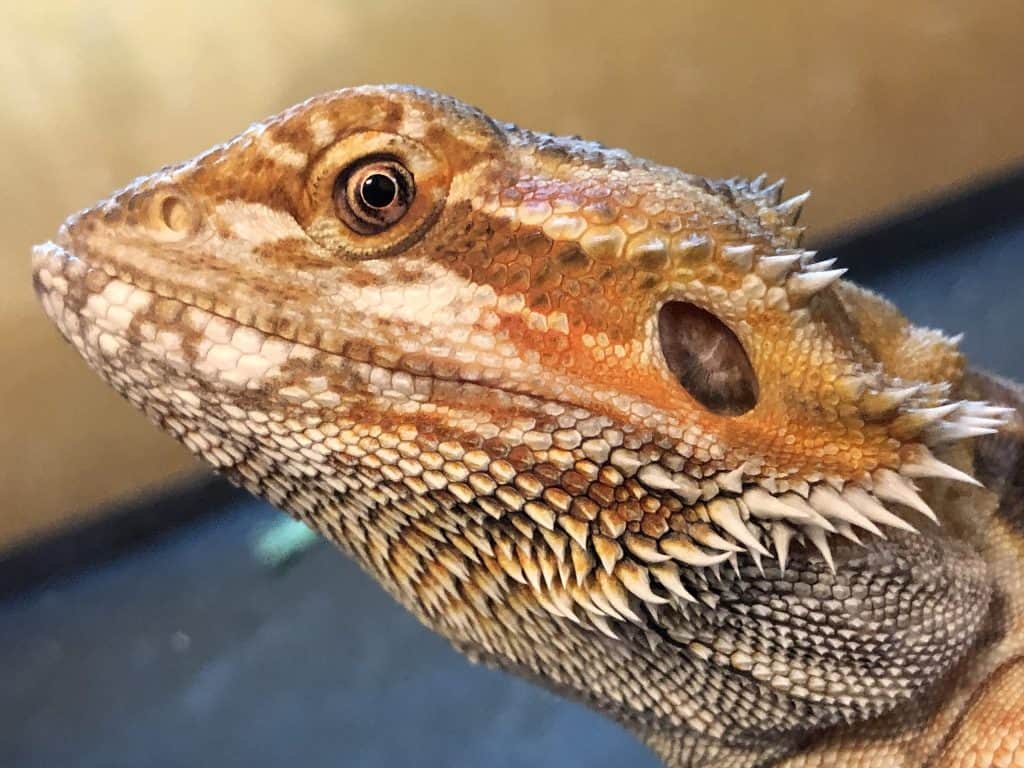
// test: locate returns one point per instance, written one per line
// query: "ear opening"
(707, 359)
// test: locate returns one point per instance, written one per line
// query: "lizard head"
(385, 287)
(542, 389)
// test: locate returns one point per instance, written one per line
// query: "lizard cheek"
(707, 359)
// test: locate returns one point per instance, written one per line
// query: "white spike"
(925, 464)
(807, 257)
(657, 477)
(984, 410)
(790, 209)
(726, 515)
(762, 504)
(799, 486)
(713, 540)
(635, 579)
(781, 535)
(600, 602)
(668, 575)
(952, 431)
(773, 268)
(756, 557)
(846, 531)
(687, 552)
(735, 563)
(981, 421)
(831, 505)
(882, 402)
(773, 191)
(872, 509)
(820, 266)
(644, 548)
(581, 595)
(894, 487)
(687, 487)
(806, 284)
(819, 539)
(812, 516)
(740, 256)
(935, 413)
(731, 481)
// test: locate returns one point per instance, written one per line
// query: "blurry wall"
(874, 105)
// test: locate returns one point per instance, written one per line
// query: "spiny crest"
(791, 277)
(762, 202)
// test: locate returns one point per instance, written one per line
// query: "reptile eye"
(373, 193)
(707, 359)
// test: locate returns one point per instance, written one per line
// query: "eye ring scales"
(372, 193)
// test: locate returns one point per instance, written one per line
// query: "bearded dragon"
(597, 421)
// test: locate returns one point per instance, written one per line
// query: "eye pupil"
(379, 190)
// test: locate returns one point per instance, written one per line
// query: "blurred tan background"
(875, 105)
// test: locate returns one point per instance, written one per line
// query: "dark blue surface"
(191, 653)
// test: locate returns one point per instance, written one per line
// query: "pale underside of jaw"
(737, 512)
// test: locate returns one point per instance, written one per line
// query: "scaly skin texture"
(596, 421)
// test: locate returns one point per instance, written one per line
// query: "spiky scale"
(657, 477)
(924, 464)
(873, 509)
(803, 285)
(609, 552)
(832, 505)
(819, 539)
(891, 486)
(740, 257)
(789, 210)
(617, 596)
(773, 268)
(645, 548)
(782, 535)
(668, 575)
(636, 580)
(877, 404)
(766, 505)
(726, 515)
(685, 551)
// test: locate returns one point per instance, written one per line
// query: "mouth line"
(51, 250)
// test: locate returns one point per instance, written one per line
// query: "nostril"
(172, 214)
(175, 213)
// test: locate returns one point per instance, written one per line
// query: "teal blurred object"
(284, 542)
